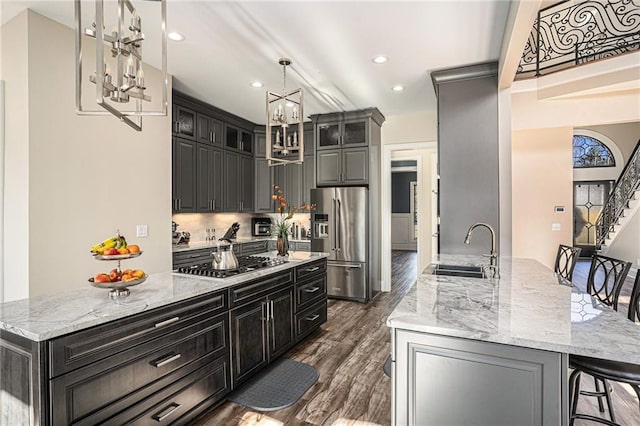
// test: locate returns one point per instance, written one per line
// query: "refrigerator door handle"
(338, 225)
(335, 234)
(346, 265)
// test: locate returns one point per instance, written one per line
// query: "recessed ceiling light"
(380, 59)
(290, 104)
(398, 88)
(175, 36)
(256, 84)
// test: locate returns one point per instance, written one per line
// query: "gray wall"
(401, 191)
(468, 158)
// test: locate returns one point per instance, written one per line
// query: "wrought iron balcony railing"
(623, 192)
(571, 33)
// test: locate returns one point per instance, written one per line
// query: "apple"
(127, 277)
(102, 278)
(115, 275)
(138, 273)
(111, 251)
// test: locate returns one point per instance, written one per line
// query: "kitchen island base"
(449, 380)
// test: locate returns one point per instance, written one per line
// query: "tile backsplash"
(197, 223)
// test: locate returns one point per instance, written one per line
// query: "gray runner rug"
(278, 386)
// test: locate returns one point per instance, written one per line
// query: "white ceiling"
(231, 44)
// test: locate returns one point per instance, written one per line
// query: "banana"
(108, 243)
(121, 242)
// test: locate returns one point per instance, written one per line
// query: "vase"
(283, 245)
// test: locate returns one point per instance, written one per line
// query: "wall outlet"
(555, 226)
(142, 231)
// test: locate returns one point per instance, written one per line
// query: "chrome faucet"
(493, 263)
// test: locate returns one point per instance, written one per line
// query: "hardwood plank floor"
(625, 401)
(348, 353)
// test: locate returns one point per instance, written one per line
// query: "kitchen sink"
(459, 271)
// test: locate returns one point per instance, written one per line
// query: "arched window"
(590, 152)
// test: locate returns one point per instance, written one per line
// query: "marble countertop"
(46, 317)
(526, 306)
(210, 244)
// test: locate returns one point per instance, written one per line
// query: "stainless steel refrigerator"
(340, 226)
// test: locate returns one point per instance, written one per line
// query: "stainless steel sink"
(459, 271)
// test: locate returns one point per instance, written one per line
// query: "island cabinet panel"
(96, 393)
(248, 328)
(125, 339)
(448, 380)
(281, 333)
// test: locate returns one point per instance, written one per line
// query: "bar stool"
(606, 278)
(566, 261)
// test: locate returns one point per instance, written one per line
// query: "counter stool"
(566, 261)
(606, 278)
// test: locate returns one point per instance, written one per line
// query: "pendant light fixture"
(284, 129)
(119, 81)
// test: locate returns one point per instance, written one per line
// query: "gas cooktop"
(245, 264)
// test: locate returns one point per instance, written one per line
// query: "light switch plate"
(142, 231)
(555, 226)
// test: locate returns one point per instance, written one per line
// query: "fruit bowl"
(118, 288)
(116, 256)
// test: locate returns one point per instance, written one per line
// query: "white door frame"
(385, 205)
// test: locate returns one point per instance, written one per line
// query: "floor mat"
(387, 366)
(278, 386)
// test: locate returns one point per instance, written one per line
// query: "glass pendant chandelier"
(284, 129)
(120, 79)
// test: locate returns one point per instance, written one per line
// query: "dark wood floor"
(349, 354)
(625, 401)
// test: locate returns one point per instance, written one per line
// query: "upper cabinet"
(209, 130)
(343, 142)
(184, 122)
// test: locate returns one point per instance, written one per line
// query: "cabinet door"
(354, 133)
(281, 331)
(246, 139)
(184, 176)
(328, 135)
(204, 178)
(248, 192)
(329, 167)
(260, 146)
(355, 166)
(185, 123)
(232, 182)
(232, 137)
(204, 129)
(217, 179)
(308, 177)
(217, 129)
(249, 340)
(293, 184)
(263, 186)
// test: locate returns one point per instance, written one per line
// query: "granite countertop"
(525, 307)
(210, 244)
(45, 317)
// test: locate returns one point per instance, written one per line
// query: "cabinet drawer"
(254, 247)
(192, 257)
(102, 389)
(256, 289)
(183, 400)
(307, 270)
(310, 291)
(130, 337)
(310, 319)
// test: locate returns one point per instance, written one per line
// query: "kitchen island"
(168, 352)
(495, 351)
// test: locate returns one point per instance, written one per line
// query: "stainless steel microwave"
(260, 226)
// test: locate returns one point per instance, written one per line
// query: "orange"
(138, 273)
(133, 248)
(123, 250)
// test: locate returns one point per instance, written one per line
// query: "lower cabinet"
(165, 366)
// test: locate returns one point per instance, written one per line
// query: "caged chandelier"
(285, 144)
(125, 81)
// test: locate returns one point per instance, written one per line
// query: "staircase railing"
(623, 192)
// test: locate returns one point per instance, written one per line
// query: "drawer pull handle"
(158, 417)
(311, 290)
(313, 269)
(166, 360)
(313, 318)
(193, 256)
(167, 322)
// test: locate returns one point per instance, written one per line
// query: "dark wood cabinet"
(184, 176)
(263, 186)
(239, 183)
(209, 130)
(184, 122)
(246, 142)
(249, 331)
(209, 178)
(232, 137)
(342, 133)
(280, 330)
(349, 166)
(329, 135)
(247, 184)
